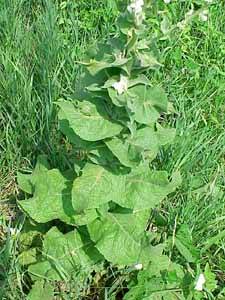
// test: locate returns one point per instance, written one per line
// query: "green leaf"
(28, 257)
(185, 245)
(90, 121)
(122, 99)
(146, 189)
(41, 290)
(211, 282)
(146, 60)
(26, 182)
(71, 135)
(120, 237)
(143, 145)
(153, 288)
(95, 187)
(101, 155)
(147, 103)
(118, 100)
(165, 135)
(109, 61)
(120, 149)
(65, 255)
(51, 199)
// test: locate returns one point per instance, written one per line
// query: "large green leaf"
(121, 237)
(140, 147)
(146, 189)
(147, 103)
(96, 186)
(90, 120)
(103, 58)
(65, 255)
(51, 199)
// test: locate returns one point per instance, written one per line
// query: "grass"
(39, 44)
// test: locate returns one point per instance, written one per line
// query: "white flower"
(136, 8)
(203, 15)
(138, 267)
(14, 231)
(190, 12)
(122, 85)
(209, 1)
(200, 282)
(167, 1)
(181, 24)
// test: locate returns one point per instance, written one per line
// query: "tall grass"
(39, 44)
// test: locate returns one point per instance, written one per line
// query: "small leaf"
(28, 257)
(165, 135)
(185, 245)
(210, 277)
(146, 60)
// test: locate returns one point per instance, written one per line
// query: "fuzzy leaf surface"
(90, 121)
(120, 237)
(95, 187)
(146, 103)
(64, 254)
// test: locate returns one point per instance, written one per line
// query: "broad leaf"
(65, 255)
(51, 200)
(147, 103)
(146, 189)
(165, 135)
(122, 99)
(90, 121)
(95, 187)
(121, 238)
